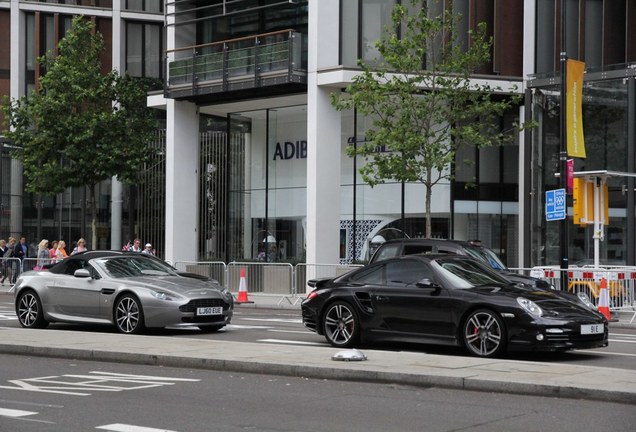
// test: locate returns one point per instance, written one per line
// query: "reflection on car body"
(129, 290)
(449, 300)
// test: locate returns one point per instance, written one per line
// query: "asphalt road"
(47, 394)
(284, 326)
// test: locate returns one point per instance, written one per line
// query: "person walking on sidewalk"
(3, 268)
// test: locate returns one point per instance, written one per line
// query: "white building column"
(17, 85)
(182, 186)
(116, 203)
(323, 138)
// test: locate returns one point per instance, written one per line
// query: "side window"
(373, 275)
(406, 272)
(387, 251)
(72, 266)
(416, 249)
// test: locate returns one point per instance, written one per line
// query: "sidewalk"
(405, 368)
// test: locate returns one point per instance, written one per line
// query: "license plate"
(592, 329)
(216, 310)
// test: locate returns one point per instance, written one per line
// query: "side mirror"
(82, 273)
(427, 283)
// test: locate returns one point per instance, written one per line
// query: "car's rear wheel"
(29, 310)
(484, 333)
(129, 315)
(341, 325)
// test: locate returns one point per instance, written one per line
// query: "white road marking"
(606, 352)
(96, 381)
(622, 341)
(280, 320)
(120, 427)
(305, 332)
(289, 342)
(5, 412)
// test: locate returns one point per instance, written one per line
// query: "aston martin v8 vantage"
(129, 290)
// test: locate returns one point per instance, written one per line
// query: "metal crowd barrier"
(620, 283)
(278, 279)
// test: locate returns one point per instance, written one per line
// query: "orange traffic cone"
(603, 300)
(242, 293)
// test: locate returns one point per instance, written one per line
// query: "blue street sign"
(555, 204)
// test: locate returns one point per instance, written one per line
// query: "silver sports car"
(130, 290)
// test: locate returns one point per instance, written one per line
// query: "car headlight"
(529, 306)
(161, 295)
(585, 299)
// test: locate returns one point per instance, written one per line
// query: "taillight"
(312, 295)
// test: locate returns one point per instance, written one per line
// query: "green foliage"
(82, 126)
(420, 98)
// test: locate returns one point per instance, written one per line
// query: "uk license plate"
(204, 311)
(587, 329)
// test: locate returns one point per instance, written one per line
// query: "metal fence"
(620, 283)
(278, 279)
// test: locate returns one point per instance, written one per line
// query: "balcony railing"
(271, 59)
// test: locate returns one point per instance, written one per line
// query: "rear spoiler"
(318, 283)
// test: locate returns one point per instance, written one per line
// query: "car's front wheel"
(484, 333)
(341, 325)
(29, 310)
(129, 315)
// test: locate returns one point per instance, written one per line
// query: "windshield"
(465, 274)
(487, 256)
(131, 266)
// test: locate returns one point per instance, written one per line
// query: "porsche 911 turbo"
(129, 290)
(449, 300)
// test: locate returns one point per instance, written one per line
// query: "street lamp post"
(563, 156)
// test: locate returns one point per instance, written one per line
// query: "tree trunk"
(429, 190)
(93, 201)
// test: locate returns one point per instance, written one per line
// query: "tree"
(80, 126)
(420, 98)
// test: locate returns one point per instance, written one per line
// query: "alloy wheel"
(30, 312)
(341, 325)
(128, 315)
(484, 334)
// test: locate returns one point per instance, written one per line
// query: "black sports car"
(449, 300)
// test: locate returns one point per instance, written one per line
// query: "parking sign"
(555, 204)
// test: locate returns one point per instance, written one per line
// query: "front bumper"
(174, 314)
(561, 336)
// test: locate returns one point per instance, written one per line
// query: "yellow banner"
(574, 108)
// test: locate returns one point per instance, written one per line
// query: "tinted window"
(387, 251)
(406, 272)
(370, 275)
(411, 249)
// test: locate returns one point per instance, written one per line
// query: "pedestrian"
(136, 247)
(3, 268)
(53, 249)
(12, 265)
(60, 253)
(21, 249)
(44, 256)
(81, 247)
(148, 249)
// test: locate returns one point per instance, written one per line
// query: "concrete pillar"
(116, 203)
(323, 138)
(182, 185)
(17, 84)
